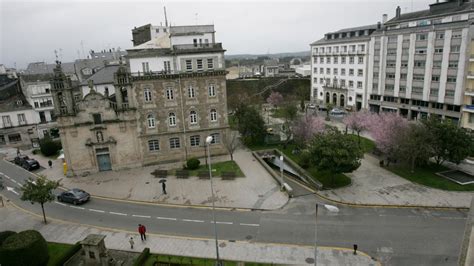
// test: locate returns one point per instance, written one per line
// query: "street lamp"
(316, 236)
(281, 171)
(208, 142)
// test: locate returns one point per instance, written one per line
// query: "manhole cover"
(248, 237)
(309, 260)
(222, 245)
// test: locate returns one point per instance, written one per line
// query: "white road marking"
(222, 222)
(166, 218)
(141, 216)
(94, 210)
(75, 207)
(60, 203)
(12, 190)
(194, 221)
(249, 224)
(118, 213)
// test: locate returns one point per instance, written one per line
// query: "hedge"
(67, 255)
(27, 248)
(4, 235)
(142, 258)
(193, 164)
(49, 147)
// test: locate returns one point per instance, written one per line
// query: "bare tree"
(231, 142)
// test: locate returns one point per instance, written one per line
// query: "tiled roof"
(104, 76)
(11, 98)
(436, 9)
(42, 68)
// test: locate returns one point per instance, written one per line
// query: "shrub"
(142, 258)
(27, 248)
(4, 235)
(50, 147)
(67, 255)
(305, 160)
(36, 151)
(193, 164)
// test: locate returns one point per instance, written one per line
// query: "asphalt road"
(393, 236)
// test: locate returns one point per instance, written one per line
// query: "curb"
(37, 216)
(173, 205)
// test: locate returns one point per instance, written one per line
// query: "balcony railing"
(469, 107)
(197, 47)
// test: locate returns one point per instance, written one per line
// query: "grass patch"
(55, 250)
(176, 260)
(218, 168)
(427, 176)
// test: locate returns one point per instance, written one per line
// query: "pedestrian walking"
(142, 231)
(131, 242)
(50, 163)
(163, 186)
(355, 249)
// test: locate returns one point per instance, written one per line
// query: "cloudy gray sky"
(30, 31)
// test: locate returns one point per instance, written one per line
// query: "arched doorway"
(334, 99)
(341, 103)
(328, 97)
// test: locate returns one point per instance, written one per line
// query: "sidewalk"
(257, 190)
(16, 220)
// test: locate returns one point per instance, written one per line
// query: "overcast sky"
(30, 31)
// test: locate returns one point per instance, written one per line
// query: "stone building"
(165, 104)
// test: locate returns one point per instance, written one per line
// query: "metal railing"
(197, 46)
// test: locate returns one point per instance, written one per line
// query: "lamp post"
(208, 142)
(281, 172)
(316, 237)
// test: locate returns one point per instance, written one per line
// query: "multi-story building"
(165, 105)
(418, 63)
(339, 68)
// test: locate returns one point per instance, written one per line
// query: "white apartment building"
(339, 68)
(418, 61)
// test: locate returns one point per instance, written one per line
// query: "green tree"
(49, 147)
(289, 113)
(414, 145)
(39, 191)
(449, 142)
(335, 152)
(250, 124)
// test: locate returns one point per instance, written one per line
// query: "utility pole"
(166, 18)
(316, 237)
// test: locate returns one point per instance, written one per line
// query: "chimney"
(379, 25)
(384, 18)
(398, 12)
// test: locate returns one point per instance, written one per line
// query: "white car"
(337, 112)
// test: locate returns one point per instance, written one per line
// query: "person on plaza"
(142, 231)
(163, 186)
(131, 242)
(50, 163)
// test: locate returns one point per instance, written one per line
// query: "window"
(343, 71)
(376, 75)
(456, 35)
(145, 67)
(14, 137)
(420, 51)
(419, 77)
(321, 60)
(417, 90)
(210, 63)
(97, 118)
(449, 93)
(213, 115)
(391, 51)
(215, 138)
(440, 35)
(435, 78)
(167, 66)
(193, 117)
(360, 72)
(404, 64)
(436, 64)
(172, 119)
(321, 81)
(433, 92)
(438, 50)
(453, 64)
(336, 60)
(315, 70)
(36, 105)
(2, 139)
(390, 76)
(174, 143)
(451, 79)
(169, 94)
(392, 38)
(21, 119)
(189, 65)
(419, 63)
(344, 49)
(403, 76)
(388, 88)
(147, 95)
(455, 49)
(351, 84)
(321, 70)
(153, 145)
(6, 121)
(335, 71)
(343, 82)
(421, 37)
(361, 47)
(211, 90)
(402, 89)
(359, 84)
(328, 70)
(343, 60)
(351, 60)
(437, 105)
(351, 72)
(315, 50)
(195, 140)
(199, 64)
(360, 60)
(151, 121)
(191, 92)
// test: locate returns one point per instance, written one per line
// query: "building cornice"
(156, 76)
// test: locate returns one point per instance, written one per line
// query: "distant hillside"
(278, 55)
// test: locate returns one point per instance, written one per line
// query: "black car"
(74, 196)
(26, 162)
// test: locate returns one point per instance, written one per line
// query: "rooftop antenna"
(56, 55)
(166, 18)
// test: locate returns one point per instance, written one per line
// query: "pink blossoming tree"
(307, 127)
(275, 98)
(358, 122)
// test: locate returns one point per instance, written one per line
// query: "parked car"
(337, 112)
(26, 162)
(74, 196)
(311, 106)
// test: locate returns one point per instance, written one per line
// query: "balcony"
(471, 58)
(197, 48)
(468, 108)
(469, 92)
(470, 75)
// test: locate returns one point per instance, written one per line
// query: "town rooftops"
(162, 41)
(43, 68)
(103, 76)
(11, 98)
(36, 77)
(435, 10)
(348, 35)
(191, 30)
